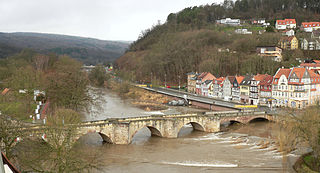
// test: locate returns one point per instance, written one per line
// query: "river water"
(239, 149)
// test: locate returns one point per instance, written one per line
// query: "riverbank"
(138, 97)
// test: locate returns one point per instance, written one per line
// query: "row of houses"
(290, 42)
(292, 24)
(296, 87)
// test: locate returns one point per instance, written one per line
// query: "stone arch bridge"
(122, 130)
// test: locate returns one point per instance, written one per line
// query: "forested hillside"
(87, 50)
(190, 40)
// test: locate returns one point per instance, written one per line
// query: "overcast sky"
(102, 19)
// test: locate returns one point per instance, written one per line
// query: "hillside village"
(309, 38)
(296, 87)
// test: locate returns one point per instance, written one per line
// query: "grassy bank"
(141, 98)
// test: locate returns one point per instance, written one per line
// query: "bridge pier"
(122, 130)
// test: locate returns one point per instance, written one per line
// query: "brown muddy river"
(238, 150)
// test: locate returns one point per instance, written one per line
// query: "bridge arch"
(105, 138)
(195, 125)
(255, 119)
(154, 132)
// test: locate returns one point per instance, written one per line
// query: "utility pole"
(179, 82)
(150, 78)
(165, 80)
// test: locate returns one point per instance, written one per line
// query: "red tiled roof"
(299, 72)
(286, 21)
(309, 65)
(267, 80)
(202, 75)
(281, 71)
(239, 79)
(315, 78)
(259, 77)
(310, 24)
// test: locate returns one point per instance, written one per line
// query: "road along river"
(241, 148)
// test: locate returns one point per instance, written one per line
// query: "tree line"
(66, 87)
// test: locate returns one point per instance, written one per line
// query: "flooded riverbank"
(242, 148)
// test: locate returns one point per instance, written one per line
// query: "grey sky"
(103, 19)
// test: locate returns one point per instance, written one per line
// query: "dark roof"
(289, 39)
(231, 78)
(246, 80)
(191, 73)
(207, 82)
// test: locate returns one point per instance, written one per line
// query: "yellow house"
(289, 43)
(245, 89)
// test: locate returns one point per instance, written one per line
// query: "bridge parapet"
(122, 130)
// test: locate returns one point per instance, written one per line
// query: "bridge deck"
(192, 97)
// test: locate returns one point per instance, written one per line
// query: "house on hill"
(261, 22)
(289, 43)
(229, 21)
(288, 32)
(315, 34)
(242, 31)
(310, 44)
(272, 52)
(310, 26)
(286, 24)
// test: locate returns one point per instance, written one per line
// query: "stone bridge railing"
(122, 130)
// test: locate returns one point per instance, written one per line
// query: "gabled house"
(310, 26)
(201, 78)
(280, 88)
(285, 24)
(299, 86)
(254, 96)
(289, 43)
(227, 87)
(191, 82)
(265, 90)
(245, 89)
(236, 88)
(205, 87)
(218, 87)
